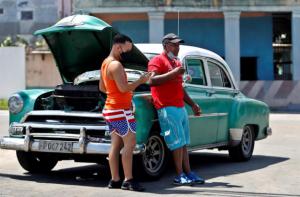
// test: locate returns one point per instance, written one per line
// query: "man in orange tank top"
(117, 112)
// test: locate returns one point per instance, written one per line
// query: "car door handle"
(210, 92)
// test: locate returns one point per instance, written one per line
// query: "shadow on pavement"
(208, 165)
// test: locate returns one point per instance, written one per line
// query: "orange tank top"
(115, 98)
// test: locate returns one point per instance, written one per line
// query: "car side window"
(217, 76)
(195, 69)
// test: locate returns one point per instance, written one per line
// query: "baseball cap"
(171, 37)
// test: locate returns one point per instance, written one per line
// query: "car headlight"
(15, 104)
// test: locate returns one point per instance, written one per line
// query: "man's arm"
(118, 74)
(158, 79)
(195, 107)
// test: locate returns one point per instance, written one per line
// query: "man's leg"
(186, 160)
(127, 154)
(116, 145)
(177, 157)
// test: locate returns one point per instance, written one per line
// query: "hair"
(121, 39)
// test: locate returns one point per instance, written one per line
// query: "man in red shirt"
(169, 97)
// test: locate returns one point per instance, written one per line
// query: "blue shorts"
(174, 124)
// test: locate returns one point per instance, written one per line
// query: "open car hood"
(80, 43)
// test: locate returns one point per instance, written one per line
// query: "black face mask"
(125, 55)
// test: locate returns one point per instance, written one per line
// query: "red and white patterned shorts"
(120, 121)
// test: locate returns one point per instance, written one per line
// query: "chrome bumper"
(268, 131)
(89, 148)
(80, 146)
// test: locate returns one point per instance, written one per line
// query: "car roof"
(184, 51)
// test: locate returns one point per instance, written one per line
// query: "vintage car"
(49, 125)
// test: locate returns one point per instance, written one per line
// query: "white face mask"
(171, 55)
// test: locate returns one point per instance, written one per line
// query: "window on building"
(195, 69)
(1, 11)
(282, 46)
(248, 68)
(26, 15)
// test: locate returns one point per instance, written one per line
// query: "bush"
(3, 104)
(18, 41)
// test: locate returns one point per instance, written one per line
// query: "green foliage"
(7, 42)
(3, 104)
(40, 43)
(18, 41)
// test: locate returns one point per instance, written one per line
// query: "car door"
(224, 95)
(203, 129)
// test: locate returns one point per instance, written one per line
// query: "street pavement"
(274, 170)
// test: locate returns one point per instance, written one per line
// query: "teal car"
(49, 125)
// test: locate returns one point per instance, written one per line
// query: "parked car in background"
(49, 125)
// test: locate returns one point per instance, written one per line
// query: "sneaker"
(182, 179)
(195, 178)
(114, 184)
(132, 185)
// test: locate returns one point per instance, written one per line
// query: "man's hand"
(196, 109)
(179, 70)
(145, 77)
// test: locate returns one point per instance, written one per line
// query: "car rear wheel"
(154, 160)
(244, 151)
(36, 163)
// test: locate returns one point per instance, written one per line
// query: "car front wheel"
(34, 163)
(154, 160)
(243, 151)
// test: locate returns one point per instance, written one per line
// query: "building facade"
(258, 38)
(23, 17)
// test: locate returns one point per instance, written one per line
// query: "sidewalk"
(4, 112)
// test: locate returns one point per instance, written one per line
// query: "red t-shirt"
(169, 93)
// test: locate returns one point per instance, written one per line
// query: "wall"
(256, 41)
(255, 35)
(137, 30)
(204, 33)
(41, 70)
(279, 95)
(12, 70)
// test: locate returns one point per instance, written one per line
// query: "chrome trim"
(203, 116)
(82, 140)
(207, 146)
(269, 131)
(27, 139)
(89, 147)
(209, 115)
(236, 135)
(55, 135)
(59, 126)
(62, 113)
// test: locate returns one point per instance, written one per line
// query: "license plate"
(56, 146)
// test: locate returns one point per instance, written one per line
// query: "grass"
(3, 104)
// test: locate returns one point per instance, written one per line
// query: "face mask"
(125, 55)
(171, 55)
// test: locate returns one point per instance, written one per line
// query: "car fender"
(246, 111)
(145, 115)
(29, 97)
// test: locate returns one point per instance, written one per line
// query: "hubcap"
(155, 154)
(247, 140)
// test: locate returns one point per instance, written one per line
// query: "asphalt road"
(274, 170)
